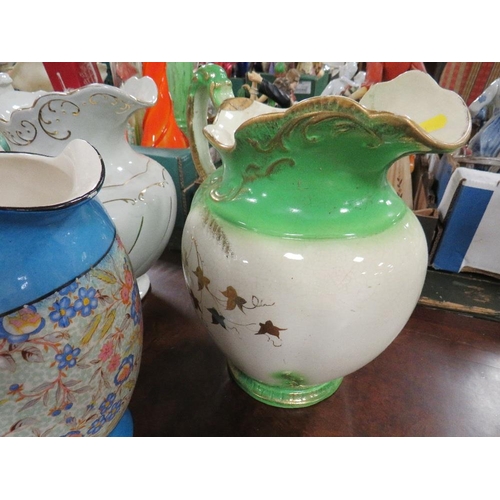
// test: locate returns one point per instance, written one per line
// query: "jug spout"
(441, 113)
(41, 121)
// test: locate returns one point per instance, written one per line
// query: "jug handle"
(210, 83)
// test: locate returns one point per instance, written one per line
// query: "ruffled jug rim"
(133, 83)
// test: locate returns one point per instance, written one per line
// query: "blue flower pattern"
(86, 302)
(107, 403)
(69, 289)
(67, 359)
(124, 371)
(108, 409)
(63, 312)
(134, 312)
(96, 425)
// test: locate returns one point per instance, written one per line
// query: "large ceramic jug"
(70, 313)
(300, 258)
(138, 192)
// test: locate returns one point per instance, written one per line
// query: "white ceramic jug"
(138, 192)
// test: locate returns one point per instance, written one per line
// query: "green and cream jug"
(300, 258)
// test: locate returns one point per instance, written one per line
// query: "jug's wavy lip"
(102, 87)
(57, 206)
(315, 104)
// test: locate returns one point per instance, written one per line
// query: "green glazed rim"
(284, 396)
(316, 170)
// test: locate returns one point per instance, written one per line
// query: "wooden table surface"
(440, 377)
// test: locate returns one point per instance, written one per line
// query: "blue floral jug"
(70, 312)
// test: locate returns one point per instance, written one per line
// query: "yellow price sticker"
(434, 123)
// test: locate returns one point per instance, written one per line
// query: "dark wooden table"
(440, 377)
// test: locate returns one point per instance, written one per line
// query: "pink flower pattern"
(114, 362)
(106, 351)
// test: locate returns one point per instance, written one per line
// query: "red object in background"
(72, 75)
(160, 130)
(125, 70)
(228, 67)
(377, 72)
(469, 79)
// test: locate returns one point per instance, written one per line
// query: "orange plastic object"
(160, 130)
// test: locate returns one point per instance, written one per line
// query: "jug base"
(125, 427)
(144, 285)
(284, 396)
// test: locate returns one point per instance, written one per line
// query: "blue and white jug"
(70, 312)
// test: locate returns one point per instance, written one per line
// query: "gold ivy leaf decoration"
(196, 302)
(203, 281)
(269, 328)
(233, 299)
(217, 318)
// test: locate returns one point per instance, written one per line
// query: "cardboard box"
(442, 175)
(424, 200)
(468, 235)
(428, 217)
